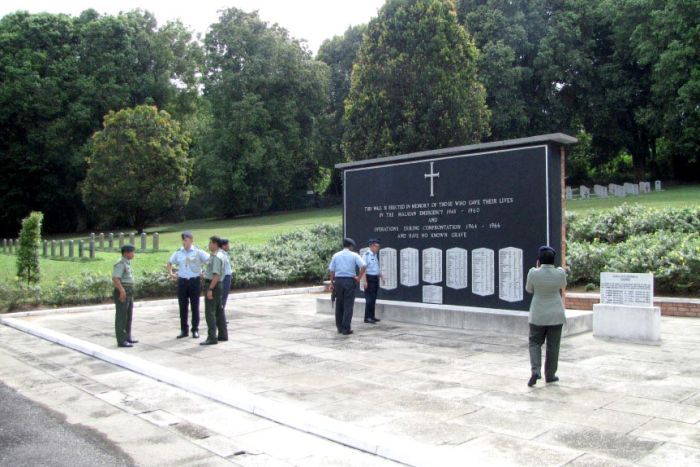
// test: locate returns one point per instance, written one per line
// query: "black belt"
(188, 278)
(345, 278)
(372, 276)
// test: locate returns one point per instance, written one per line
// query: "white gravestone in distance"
(457, 269)
(409, 267)
(626, 309)
(569, 193)
(510, 274)
(483, 272)
(600, 191)
(657, 185)
(584, 192)
(387, 265)
(432, 265)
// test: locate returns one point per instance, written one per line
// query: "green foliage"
(414, 83)
(28, 250)
(300, 256)
(266, 95)
(138, 167)
(618, 224)
(60, 75)
(631, 238)
(673, 258)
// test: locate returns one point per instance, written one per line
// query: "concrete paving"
(448, 395)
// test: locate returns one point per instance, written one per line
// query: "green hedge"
(620, 223)
(300, 256)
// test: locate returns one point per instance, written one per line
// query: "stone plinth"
(630, 323)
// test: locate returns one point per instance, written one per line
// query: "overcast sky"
(313, 20)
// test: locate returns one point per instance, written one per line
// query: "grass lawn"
(258, 230)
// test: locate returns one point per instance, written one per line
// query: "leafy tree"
(339, 53)
(266, 95)
(60, 75)
(138, 169)
(28, 251)
(414, 84)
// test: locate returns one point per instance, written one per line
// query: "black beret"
(546, 248)
(127, 247)
(347, 241)
(224, 241)
(372, 241)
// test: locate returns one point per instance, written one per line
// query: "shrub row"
(300, 256)
(673, 258)
(620, 223)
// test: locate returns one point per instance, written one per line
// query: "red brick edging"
(686, 307)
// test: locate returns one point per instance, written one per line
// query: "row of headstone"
(620, 191)
(66, 248)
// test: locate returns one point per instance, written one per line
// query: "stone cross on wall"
(432, 175)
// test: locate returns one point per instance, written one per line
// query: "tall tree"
(59, 76)
(138, 167)
(339, 53)
(414, 84)
(266, 95)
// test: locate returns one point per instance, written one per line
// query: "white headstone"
(584, 192)
(657, 185)
(600, 191)
(569, 193)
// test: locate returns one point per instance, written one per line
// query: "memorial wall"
(459, 226)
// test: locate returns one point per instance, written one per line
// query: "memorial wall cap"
(127, 248)
(186, 234)
(347, 241)
(373, 241)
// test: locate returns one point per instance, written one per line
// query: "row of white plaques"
(403, 267)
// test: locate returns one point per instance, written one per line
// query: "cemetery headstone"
(132, 239)
(121, 239)
(143, 241)
(81, 247)
(600, 191)
(102, 241)
(53, 248)
(61, 247)
(584, 192)
(4, 245)
(70, 248)
(110, 241)
(569, 193)
(156, 241)
(44, 249)
(657, 185)
(91, 247)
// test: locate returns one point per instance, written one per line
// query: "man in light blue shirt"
(371, 258)
(347, 269)
(228, 274)
(189, 261)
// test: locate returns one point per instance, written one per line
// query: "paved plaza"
(460, 396)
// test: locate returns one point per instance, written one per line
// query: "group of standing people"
(545, 281)
(195, 270)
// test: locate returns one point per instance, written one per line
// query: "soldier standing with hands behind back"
(213, 312)
(123, 295)
(371, 259)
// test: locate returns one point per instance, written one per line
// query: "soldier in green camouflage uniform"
(213, 310)
(123, 295)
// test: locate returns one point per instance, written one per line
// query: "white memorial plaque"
(617, 288)
(432, 265)
(409, 267)
(432, 294)
(510, 274)
(387, 266)
(482, 272)
(457, 268)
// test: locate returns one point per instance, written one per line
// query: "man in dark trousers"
(189, 261)
(123, 281)
(347, 269)
(373, 275)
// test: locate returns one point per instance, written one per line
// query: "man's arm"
(118, 285)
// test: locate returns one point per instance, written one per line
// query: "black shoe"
(195, 334)
(222, 339)
(376, 320)
(553, 379)
(371, 321)
(181, 335)
(533, 379)
(208, 342)
(347, 332)
(132, 341)
(125, 344)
